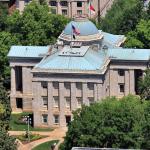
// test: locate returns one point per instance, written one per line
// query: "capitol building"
(52, 81)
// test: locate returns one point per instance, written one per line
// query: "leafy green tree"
(3, 15)
(36, 26)
(140, 37)
(6, 41)
(7, 142)
(110, 123)
(5, 108)
(144, 85)
(122, 17)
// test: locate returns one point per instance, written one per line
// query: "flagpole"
(71, 37)
(90, 9)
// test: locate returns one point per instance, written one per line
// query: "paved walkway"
(56, 134)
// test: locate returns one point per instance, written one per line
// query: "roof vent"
(76, 44)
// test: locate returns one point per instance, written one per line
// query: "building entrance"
(68, 119)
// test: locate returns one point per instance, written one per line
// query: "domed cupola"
(88, 32)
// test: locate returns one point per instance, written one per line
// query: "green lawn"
(45, 146)
(16, 125)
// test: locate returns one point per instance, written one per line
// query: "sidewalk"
(56, 134)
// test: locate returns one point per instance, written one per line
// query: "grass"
(45, 146)
(33, 137)
(17, 125)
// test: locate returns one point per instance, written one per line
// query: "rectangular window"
(79, 12)
(44, 84)
(90, 86)
(91, 100)
(67, 85)
(121, 88)
(45, 101)
(64, 12)
(79, 4)
(19, 103)
(79, 86)
(64, 3)
(45, 118)
(68, 102)
(56, 85)
(56, 119)
(56, 101)
(79, 102)
(53, 10)
(121, 72)
(53, 3)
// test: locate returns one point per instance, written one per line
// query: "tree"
(36, 26)
(144, 86)
(6, 41)
(122, 17)
(139, 38)
(110, 123)
(5, 108)
(7, 142)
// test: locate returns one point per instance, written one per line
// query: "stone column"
(84, 94)
(62, 104)
(59, 7)
(50, 104)
(99, 91)
(113, 83)
(132, 82)
(13, 89)
(13, 81)
(69, 9)
(73, 97)
(37, 104)
(127, 82)
(95, 92)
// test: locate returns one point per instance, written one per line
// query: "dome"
(88, 31)
(85, 28)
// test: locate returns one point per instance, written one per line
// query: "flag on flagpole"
(91, 8)
(75, 31)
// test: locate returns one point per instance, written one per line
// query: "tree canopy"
(144, 85)
(122, 17)
(111, 124)
(35, 26)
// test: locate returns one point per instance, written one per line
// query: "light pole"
(28, 121)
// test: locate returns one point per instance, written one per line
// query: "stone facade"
(70, 8)
(52, 90)
(88, 89)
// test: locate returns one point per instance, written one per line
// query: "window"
(68, 100)
(79, 12)
(79, 4)
(45, 118)
(26, 1)
(56, 119)
(45, 101)
(90, 86)
(79, 102)
(67, 85)
(121, 72)
(19, 103)
(53, 10)
(121, 87)
(64, 3)
(44, 84)
(55, 85)
(56, 101)
(53, 3)
(64, 12)
(79, 86)
(91, 100)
